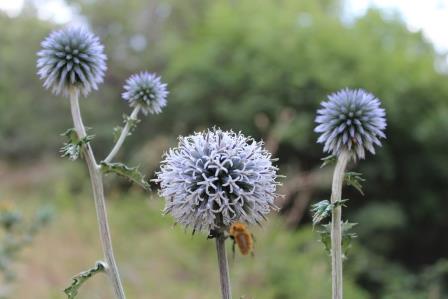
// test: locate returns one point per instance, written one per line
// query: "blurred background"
(259, 66)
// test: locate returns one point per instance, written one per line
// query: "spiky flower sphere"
(71, 59)
(215, 178)
(351, 120)
(147, 91)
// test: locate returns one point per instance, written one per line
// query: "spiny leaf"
(82, 277)
(73, 147)
(325, 236)
(132, 173)
(132, 122)
(347, 236)
(341, 203)
(328, 160)
(117, 133)
(321, 210)
(355, 180)
(71, 134)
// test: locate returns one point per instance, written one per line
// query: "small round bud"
(147, 91)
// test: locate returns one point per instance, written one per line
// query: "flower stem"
(223, 266)
(123, 135)
(100, 202)
(336, 226)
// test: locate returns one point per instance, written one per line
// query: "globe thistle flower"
(351, 120)
(71, 59)
(147, 91)
(215, 178)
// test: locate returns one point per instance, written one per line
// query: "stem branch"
(223, 266)
(100, 202)
(336, 227)
(123, 135)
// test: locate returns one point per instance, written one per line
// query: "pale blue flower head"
(351, 120)
(147, 91)
(71, 59)
(215, 178)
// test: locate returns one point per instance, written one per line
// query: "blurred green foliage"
(16, 233)
(165, 261)
(262, 67)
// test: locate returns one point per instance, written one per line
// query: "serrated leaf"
(321, 210)
(73, 147)
(127, 120)
(77, 281)
(117, 133)
(331, 159)
(325, 237)
(132, 173)
(347, 237)
(132, 122)
(355, 180)
(71, 134)
(341, 202)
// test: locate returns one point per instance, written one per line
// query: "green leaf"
(132, 122)
(331, 159)
(341, 203)
(117, 133)
(355, 180)
(321, 210)
(347, 236)
(325, 236)
(73, 147)
(132, 173)
(127, 120)
(82, 277)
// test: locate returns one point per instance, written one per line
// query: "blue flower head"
(71, 59)
(351, 120)
(215, 178)
(147, 91)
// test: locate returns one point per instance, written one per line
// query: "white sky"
(55, 10)
(430, 16)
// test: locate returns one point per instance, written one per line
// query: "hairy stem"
(336, 227)
(123, 135)
(223, 266)
(100, 202)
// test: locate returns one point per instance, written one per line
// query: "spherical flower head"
(71, 60)
(351, 120)
(147, 91)
(215, 178)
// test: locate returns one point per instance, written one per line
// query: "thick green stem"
(336, 226)
(100, 202)
(223, 266)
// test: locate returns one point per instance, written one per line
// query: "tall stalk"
(336, 225)
(350, 123)
(100, 202)
(223, 266)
